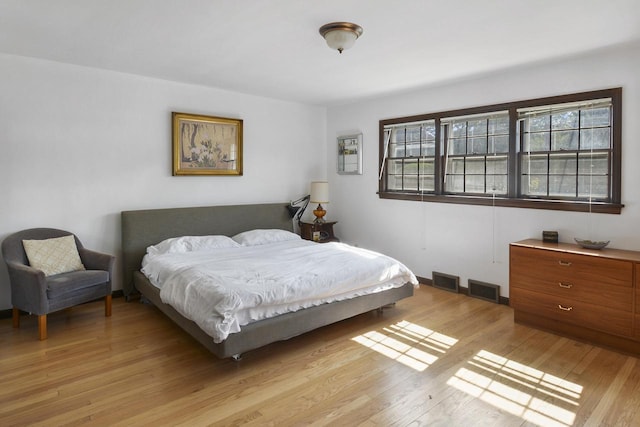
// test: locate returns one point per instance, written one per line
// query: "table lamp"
(319, 195)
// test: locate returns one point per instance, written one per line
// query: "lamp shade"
(340, 39)
(319, 192)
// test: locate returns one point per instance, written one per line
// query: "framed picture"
(206, 145)
(350, 154)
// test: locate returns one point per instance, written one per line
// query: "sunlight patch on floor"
(533, 395)
(408, 343)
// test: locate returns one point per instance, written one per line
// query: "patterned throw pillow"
(53, 256)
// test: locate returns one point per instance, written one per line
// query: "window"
(477, 148)
(566, 151)
(553, 153)
(411, 149)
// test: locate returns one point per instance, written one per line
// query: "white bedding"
(223, 288)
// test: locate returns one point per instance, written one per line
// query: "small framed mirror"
(350, 154)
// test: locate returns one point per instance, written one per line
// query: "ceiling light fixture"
(340, 35)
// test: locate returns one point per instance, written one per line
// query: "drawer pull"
(565, 263)
(565, 285)
(564, 308)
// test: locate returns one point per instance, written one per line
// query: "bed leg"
(237, 357)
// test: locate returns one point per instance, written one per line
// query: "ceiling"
(272, 48)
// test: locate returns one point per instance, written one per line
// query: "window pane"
(457, 146)
(596, 164)
(410, 182)
(411, 167)
(395, 167)
(454, 184)
(562, 185)
(564, 140)
(563, 164)
(413, 133)
(394, 182)
(497, 165)
(539, 123)
(536, 141)
(475, 166)
(595, 117)
(427, 183)
(477, 127)
(477, 145)
(565, 120)
(427, 167)
(458, 129)
(534, 164)
(429, 148)
(397, 135)
(595, 187)
(497, 184)
(595, 138)
(474, 184)
(498, 144)
(413, 149)
(534, 185)
(429, 131)
(455, 166)
(499, 125)
(396, 150)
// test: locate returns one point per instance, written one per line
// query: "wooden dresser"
(593, 295)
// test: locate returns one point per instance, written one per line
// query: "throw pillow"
(53, 256)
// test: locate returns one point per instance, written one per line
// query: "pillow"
(262, 237)
(53, 256)
(184, 244)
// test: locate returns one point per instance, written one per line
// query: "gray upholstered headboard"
(143, 228)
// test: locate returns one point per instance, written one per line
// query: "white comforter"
(223, 289)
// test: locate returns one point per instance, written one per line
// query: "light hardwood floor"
(437, 358)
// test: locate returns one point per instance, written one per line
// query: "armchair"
(34, 292)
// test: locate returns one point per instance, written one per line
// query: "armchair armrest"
(93, 260)
(28, 288)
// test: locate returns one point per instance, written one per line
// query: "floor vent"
(485, 291)
(445, 281)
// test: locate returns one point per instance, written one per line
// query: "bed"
(144, 228)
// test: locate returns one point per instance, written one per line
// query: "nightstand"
(324, 231)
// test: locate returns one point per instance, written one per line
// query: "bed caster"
(236, 357)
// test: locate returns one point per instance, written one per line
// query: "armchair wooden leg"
(107, 306)
(16, 318)
(42, 327)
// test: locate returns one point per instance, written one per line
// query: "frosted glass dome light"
(340, 35)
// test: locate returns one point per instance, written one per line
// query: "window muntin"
(569, 159)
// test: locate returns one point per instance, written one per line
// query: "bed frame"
(144, 228)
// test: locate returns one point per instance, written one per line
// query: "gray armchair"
(35, 293)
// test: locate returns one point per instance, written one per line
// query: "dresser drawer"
(566, 267)
(575, 312)
(614, 297)
(526, 273)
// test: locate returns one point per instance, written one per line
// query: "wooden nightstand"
(324, 231)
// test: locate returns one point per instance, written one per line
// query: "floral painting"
(206, 145)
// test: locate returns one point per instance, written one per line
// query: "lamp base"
(319, 212)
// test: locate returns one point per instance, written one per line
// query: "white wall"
(472, 241)
(79, 145)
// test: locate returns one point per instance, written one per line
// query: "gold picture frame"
(206, 145)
